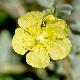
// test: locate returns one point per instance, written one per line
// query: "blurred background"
(13, 66)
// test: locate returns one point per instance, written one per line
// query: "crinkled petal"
(56, 29)
(22, 41)
(31, 21)
(38, 57)
(58, 49)
(49, 18)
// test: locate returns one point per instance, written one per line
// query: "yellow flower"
(43, 37)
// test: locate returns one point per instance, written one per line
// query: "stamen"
(33, 24)
(41, 50)
(48, 38)
(25, 43)
(26, 48)
(35, 48)
(32, 48)
(54, 33)
(23, 46)
(44, 24)
(51, 46)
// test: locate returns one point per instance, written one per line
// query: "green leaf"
(5, 50)
(63, 13)
(65, 7)
(76, 6)
(75, 26)
(51, 66)
(46, 3)
(55, 11)
(78, 42)
(3, 16)
(76, 67)
(43, 12)
(60, 66)
(73, 41)
(6, 55)
(47, 13)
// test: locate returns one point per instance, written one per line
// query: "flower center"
(39, 39)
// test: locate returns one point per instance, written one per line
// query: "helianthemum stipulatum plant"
(43, 37)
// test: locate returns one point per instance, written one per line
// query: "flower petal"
(49, 18)
(22, 41)
(31, 21)
(59, 49)
(56, 29)
(38, 57)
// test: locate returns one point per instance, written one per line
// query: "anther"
(41, 50)
(51, 46)
(28, 46)
(33, 24)
(44, 25)
(23, 46)
(43, 22)
(25, 43)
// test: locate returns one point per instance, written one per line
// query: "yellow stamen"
(28, 46)
(54, 33)
(51, 46)
(35, 48)
(43, 22)
(44, 25)
(25, 43)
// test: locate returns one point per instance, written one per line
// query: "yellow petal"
(38, 57)
(49, 17)
(48, 32)
(22, 41)
(59, 48)
(31, 19)
(56, 28)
